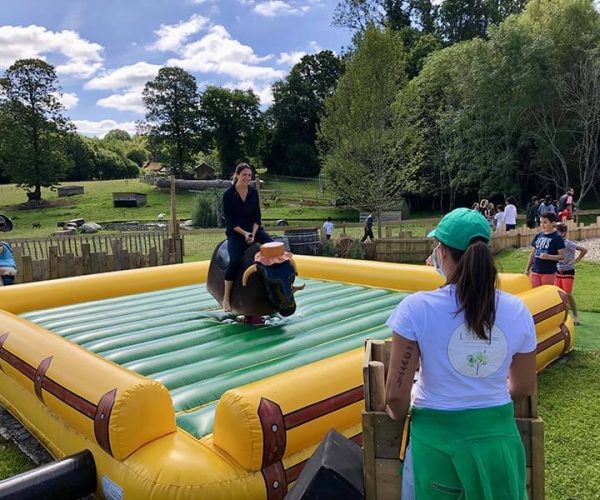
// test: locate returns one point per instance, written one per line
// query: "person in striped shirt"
(565, 275)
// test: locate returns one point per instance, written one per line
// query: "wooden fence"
(406, 248)
(40, 259)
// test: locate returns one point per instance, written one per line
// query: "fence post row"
(59, 257)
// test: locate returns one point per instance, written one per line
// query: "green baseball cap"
(458, 228)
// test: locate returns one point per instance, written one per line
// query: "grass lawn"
(12, 461)
(96, 205)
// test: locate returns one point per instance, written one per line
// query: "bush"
(356, 251)
(328, 249)
(203, 211)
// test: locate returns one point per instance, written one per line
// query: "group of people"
(505, 215)
(553, 258)
(500, 216)
(563, 208)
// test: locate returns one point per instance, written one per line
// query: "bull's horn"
(247, 273)
(298, 288)
(293, 263)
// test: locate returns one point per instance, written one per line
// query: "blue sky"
(105, 50)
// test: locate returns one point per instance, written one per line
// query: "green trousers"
(467, 454)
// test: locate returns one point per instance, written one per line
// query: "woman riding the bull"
(242, 218)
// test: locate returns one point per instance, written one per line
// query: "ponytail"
(475, 279)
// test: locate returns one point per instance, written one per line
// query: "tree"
(232, 124)
(33, 146)
(172, 117)
(359, 14)
(294, 117)
(359, 161)
(574, 138)
(117, 134)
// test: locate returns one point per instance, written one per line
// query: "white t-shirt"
(510, 214)
(499, 219)
(459, 370)
(328, 227)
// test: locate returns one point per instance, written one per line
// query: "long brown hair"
(475, 277)
(238, 171)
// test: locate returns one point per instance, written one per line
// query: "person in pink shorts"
(547, 248)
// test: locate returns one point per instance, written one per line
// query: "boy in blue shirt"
(547, 248)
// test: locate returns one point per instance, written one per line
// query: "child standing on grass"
(547, 248)
(565, 277)
(328, 228)
(499, 218)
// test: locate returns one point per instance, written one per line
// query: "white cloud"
(128, 101)
(272, 8)
(263, 92)
(290, 58)
(172, 36)
(134, 75)
(315, 46)
(100, 128)
(81, 58)
(69, 100)
(217, 52)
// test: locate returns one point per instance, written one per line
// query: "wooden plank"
(389, 478)
(377, 350)
(78, 266)
(377, 385)
(388, 435)
(153, 257)
(538, 467)
(117, 254)
(369, 472)
(27, 269)
(86, 258)
(69, 260)
(53, 262)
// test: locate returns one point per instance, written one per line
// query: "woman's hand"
(545, 256)
(249, 238)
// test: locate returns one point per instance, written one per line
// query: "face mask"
(436, 263)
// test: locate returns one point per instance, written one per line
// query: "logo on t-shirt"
(475, 357)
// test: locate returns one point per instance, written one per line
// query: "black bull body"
(257, 289)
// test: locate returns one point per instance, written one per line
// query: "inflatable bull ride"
(264, 282)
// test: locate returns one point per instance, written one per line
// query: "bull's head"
(279, 283)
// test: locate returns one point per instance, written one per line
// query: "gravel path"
(593, 246)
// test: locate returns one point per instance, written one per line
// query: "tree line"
(434, 104)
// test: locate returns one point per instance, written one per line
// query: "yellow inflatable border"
(139, 453)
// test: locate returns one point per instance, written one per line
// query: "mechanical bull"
(264, 283)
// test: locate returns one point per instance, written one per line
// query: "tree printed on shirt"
(477, 360)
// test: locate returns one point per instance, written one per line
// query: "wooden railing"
(40, 259)
(406, 248)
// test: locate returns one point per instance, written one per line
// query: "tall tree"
(359, 14)
(294, 117)
(33, 145)
(172, 117)
(232, 124)
(356, 131)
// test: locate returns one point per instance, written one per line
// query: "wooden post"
(174, 224)
(377, 385)
(257, 184)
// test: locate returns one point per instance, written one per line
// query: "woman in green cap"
(476, 348)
